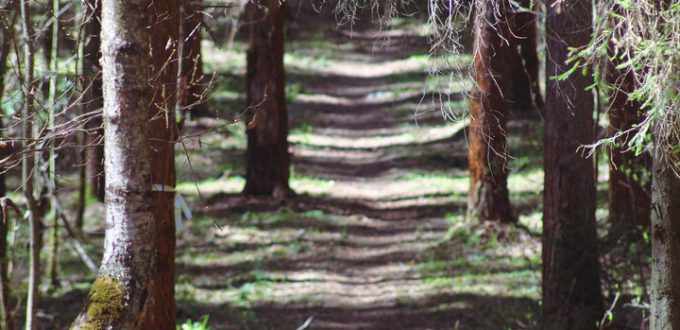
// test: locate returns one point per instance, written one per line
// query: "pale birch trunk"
(119, 295)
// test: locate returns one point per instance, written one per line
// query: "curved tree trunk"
(92, 98)
(493, 62)
(121, 291)
(571, 284)
(267, 158)
(161, 312)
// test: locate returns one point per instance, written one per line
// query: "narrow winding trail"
(381, 177)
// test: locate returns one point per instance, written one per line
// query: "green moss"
(105, 303)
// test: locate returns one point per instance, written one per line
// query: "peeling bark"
(488, 198)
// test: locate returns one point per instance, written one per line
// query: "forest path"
(381, 177)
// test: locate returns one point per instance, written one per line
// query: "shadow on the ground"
(443, 311)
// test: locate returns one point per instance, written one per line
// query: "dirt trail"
(381, 178)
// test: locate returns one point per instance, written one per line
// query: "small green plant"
(292, 91)
(198, 325)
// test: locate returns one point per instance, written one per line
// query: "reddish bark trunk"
(92, 98)
(494, 58)
(629, 175)
(267, 158)
(571, 284)
(192, 65)
(161, 312)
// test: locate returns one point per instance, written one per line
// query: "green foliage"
(198, 325)
(292, 91)
(640, 38)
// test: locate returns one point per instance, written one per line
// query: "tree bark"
(6, 320)
(192, 82)
(267, 157)
(120, 293)
(53, 262)
(92, 99)
(488, 198)
(571, 283)
(7, 317)
(161, 312)
(6, 36)
(28, 174)
(665, 283)
(526, 90)
(629, 175)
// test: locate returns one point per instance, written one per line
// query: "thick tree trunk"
(571, 284)
(121, 293)
(267, 158)
(92, 99)
(665, 284)
(161, 312)
(488, 198)
(526, 93)
(629, 175)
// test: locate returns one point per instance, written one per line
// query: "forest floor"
(381, 178)
(376, 237)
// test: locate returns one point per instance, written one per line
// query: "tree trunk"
(571, 284)
(488, 197)
(6, 320)
(267, 157)
(121, 293)
(53, 264)
(629, 175)
(7, 317)
(28, 169)
(192, 64)
(526, 91)
(92, 98)
(6, 36)
(665, 284)
(161, 312)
